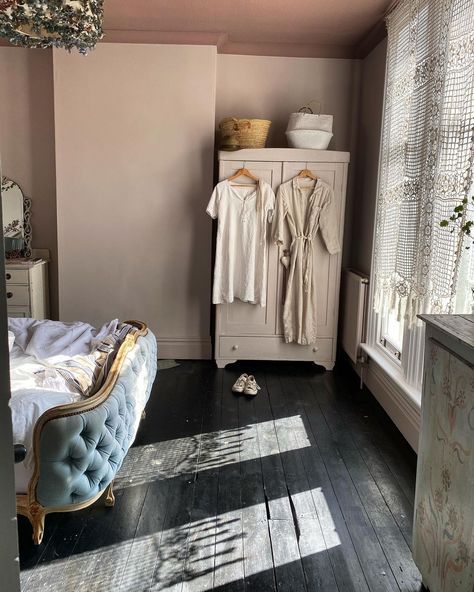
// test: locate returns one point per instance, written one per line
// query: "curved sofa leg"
(37, 516)
(109, 496)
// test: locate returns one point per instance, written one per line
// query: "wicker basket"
(244, 133)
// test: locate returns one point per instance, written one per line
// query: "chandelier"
(70, 24)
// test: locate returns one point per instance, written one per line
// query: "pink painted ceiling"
(279, 27)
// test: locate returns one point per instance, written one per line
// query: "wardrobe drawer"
(19, 312)
(16, 276)
(18, 295)
(273, 348)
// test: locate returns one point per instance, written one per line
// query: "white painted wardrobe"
(250, 332)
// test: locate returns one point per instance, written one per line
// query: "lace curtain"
(427, 155)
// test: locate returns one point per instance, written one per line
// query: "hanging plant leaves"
(4, 4)
(70, 24)
(461, 221)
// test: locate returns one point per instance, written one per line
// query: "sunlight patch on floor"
(171, 458)
(205, 552)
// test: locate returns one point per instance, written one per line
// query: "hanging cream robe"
(302, 207)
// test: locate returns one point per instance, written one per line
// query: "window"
(426, 169)
(391, 334)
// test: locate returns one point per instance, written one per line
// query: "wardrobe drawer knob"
(235, 347)
(9, 294)
(315, 349)
(8, 276)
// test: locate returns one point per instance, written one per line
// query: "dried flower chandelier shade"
(71, 24)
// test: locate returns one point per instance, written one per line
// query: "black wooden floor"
(306, 487)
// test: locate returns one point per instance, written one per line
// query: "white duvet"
(39, 345)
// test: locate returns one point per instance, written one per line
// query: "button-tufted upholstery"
(81, 454)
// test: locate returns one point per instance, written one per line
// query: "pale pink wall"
(128, 115)
(273, 87)
(27, 140)
(134, 162)
(368, 145)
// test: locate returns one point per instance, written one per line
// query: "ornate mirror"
(16, 220)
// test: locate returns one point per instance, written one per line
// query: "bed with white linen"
(78, 395)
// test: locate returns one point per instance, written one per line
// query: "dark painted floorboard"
(306, 487)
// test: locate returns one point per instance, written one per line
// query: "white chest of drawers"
(27, 289)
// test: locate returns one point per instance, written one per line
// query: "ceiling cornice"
(226, 46)
(163, 37)
(291, 50)
(371, 40)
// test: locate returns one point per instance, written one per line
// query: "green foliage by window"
(462, 220)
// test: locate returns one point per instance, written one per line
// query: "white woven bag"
(306, 119)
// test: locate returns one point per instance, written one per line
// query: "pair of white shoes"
(246, 385)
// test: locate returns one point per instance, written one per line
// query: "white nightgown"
(241, 251)
(302, 210)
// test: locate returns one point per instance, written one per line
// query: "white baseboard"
(184, 348)
(403, 411)
(401, 401)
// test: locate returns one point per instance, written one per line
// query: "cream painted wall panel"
(27, 140)
(9, 561)
(134, 159)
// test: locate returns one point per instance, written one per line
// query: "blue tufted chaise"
(79, 447)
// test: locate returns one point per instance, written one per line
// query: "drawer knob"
(315, 349)
(235, 347)
(9, 294)
(8, 276)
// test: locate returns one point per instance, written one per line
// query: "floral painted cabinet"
(443, 538)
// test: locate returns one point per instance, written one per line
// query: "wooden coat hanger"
(306, 173)
(243, 172)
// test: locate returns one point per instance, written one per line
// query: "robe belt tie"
(307, 258)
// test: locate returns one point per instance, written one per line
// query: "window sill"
(394, 373)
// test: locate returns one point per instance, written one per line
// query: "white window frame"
(406, 370)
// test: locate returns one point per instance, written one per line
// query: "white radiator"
(354, 314)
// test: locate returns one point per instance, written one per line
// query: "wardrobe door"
(326, 267)
(240, 318)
